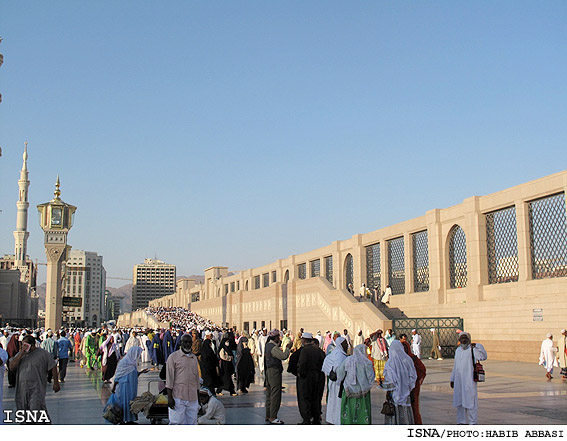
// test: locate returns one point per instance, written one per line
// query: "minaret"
(21, 234)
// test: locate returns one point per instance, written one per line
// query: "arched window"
(349, 270)
(286, 277)
(457, 257)
(246, 286)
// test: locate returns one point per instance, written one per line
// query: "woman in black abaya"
(244, 366)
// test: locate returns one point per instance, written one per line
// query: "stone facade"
(508, 302)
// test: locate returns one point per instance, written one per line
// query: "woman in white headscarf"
(332, 363)
(134, 340)
(126, 383)
(110, 355)
(357, 372)
(400, 376)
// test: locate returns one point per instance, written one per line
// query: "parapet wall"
(138, 318)
(498, 261)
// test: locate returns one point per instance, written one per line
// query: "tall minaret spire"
(21, 234)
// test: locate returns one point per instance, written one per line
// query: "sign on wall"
(74, 302)
(538, 315)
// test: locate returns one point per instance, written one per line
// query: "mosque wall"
(498, 261)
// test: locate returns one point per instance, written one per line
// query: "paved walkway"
(514, 393)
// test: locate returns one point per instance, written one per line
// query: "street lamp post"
(55, 219)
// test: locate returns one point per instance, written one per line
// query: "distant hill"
(124, 291)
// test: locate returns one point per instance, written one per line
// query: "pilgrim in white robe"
(547, 355)
(3, 359)
(261, 353)
(145, 357)
(416, 345)
(465, 395)
(332, 362)
(562, 351)
(358, 340)
(386, 296)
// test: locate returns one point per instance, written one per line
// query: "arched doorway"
(349, 271)
(457, 258)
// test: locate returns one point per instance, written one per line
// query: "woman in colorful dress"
(358, 375)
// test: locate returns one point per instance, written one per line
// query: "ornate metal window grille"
(396, 266)
(548, 237)
(502, 246)
(349, 267)
(315, 268)
(232, 287)
(274, 277)
(302, 270)
(420, 261)
(329, 268)
(225, 288)
(373, 276)
(457, 257)
(265, 280)
(256, 282)
(446, 328)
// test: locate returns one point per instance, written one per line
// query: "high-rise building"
(151, 280)
(85, 278)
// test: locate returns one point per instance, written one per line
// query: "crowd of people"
(200, 362)
(179, 317)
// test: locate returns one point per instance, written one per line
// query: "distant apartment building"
(151, 280)
(85, 280)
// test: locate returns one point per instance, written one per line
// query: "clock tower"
(55, 219)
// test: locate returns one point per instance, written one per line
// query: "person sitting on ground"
(212, 409)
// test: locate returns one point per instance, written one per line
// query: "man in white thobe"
(358, 339)
(562, 346)
(416, 343)
(4, 339)
(262, 339)
(386, 297)
(320, 339)
(3, 360)
(465, 395)
(548, 356)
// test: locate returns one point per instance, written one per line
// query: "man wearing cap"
(182, 383)
(212, 409)
(465, 395)
(562, 346)
(309, 378)
(416, 343)
(273, 357)
(548, 356)
(260, 349)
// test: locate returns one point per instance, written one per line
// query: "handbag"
(478, 370)
(224, 355)
(388, 408)
(341, 388)
(332, 375)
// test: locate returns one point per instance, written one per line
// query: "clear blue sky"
(236, 133)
